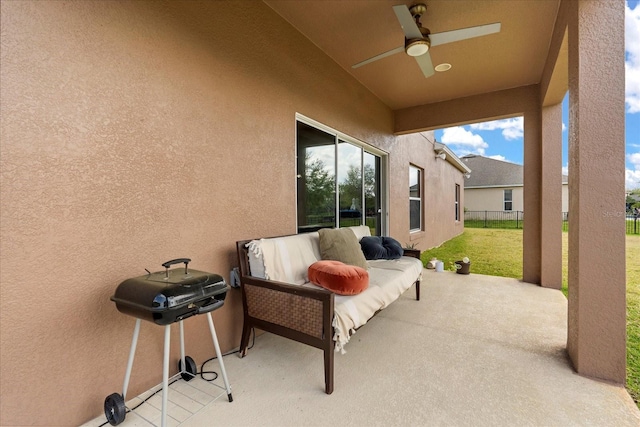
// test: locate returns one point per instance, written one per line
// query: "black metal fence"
(515, 220)
(493, 219)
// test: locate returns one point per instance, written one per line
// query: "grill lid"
(169, 289)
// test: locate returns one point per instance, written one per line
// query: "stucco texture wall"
(438, 192)
(137, 132)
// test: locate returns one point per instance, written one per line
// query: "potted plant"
(410, 249)
(462, 266)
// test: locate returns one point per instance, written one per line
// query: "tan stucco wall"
(551, 207)
(439, 181)
(596, 339)
(137, 132)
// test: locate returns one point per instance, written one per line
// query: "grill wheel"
(114, 409)
(191, 369)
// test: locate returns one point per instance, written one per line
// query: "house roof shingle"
(487, 172)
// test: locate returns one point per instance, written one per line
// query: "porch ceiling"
(350, 31)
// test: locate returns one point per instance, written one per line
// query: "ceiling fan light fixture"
(443, 67)
(417, 47)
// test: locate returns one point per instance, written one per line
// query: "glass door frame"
(384, 172)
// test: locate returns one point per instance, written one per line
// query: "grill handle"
(210, 307)
(168, 264)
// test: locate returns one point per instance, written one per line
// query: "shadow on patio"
(476, 350)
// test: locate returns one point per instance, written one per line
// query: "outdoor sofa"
(278, 297)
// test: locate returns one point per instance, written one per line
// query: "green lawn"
(491, 251)
(499, 253)
(631, 226)
(633, 317)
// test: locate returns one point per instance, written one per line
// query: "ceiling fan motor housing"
(418, 47)
(417, 10)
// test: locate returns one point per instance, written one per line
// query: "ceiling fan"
(418, 40)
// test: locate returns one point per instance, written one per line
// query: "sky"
(503, 139)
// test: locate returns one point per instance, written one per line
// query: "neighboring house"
(496, 185)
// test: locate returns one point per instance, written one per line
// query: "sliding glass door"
(316, 178)
(338, 182)
(350, 184)
(372, 193)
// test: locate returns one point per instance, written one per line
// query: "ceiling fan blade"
(463, 34)
(409, 27)
(382, 55)
(424, 61)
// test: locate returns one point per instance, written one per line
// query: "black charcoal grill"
(169, 296)
(166, 297)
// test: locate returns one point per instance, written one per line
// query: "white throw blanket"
(287, 259)
(388, 279)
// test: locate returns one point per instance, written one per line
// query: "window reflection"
(316, 179)
(338, 182)
(350, 184)
(372, 203)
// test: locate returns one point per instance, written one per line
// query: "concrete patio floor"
(475, 351)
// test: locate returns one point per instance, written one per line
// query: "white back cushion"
(361, 231)
(285, 259)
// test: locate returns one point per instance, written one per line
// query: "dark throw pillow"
(376, 247)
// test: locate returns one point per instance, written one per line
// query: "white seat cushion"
(388, 279)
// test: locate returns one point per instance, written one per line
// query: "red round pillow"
(338, 277)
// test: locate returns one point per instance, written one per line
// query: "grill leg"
(132, 353)
(219, 354)
(165, 374)
(184, 365)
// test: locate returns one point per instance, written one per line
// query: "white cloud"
(564, 127)
(632, 179)
(632, 176)
(498, 157)
(511, 128)
(632, 62)
(466, 141)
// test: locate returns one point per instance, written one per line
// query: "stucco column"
(531, 238)
(551, 206)
(596, 318)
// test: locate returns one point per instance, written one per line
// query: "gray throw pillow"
(341, 244)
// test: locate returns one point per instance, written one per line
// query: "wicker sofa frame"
(302, 314)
